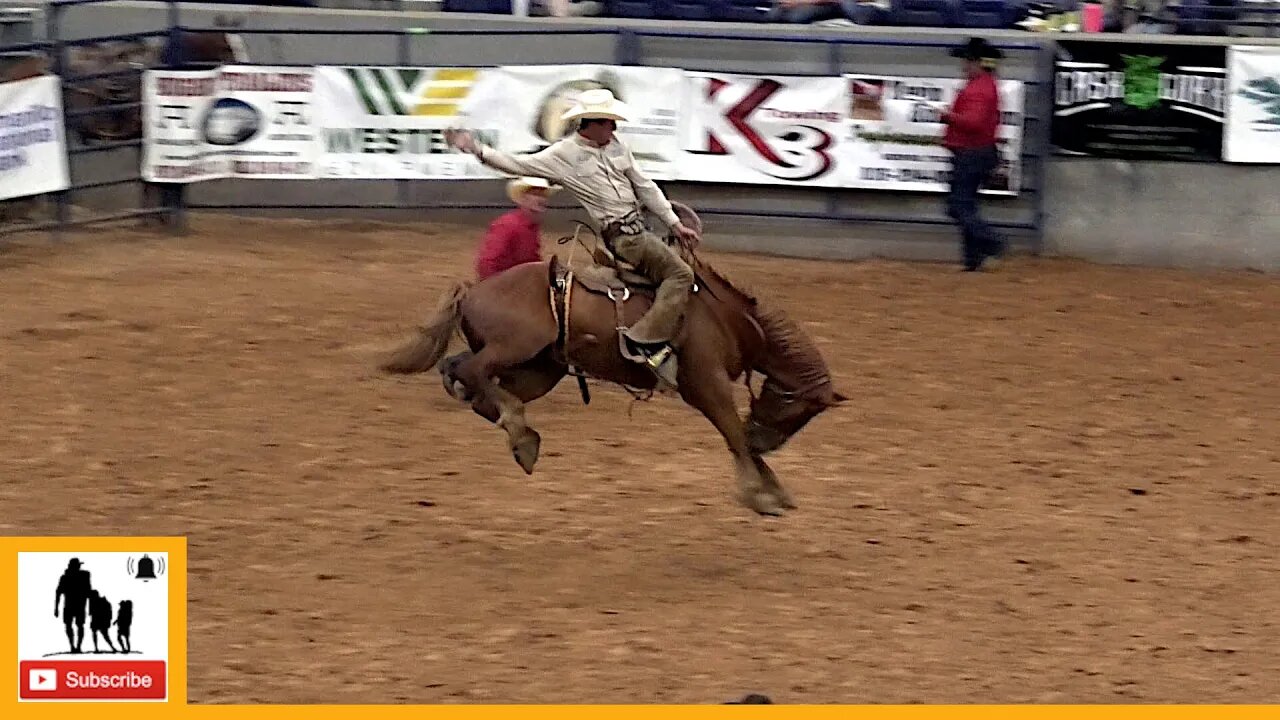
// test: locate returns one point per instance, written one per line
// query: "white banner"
(389, 122)
(530, 100)
(1252, 132)
(762, 129)
(894, 139)
(237, 121)
(33, 148)
(173, 148)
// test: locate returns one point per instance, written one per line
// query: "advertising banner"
(894, 137)
(237, 121)
(530, 101)
(762, 129)
(33, 147)
(389, 122)
(1253, 105)
(1140, 101)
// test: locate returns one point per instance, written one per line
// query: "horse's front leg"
(712, 394)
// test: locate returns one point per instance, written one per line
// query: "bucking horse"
(533, 324)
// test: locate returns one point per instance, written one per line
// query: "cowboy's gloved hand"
(686, 234)
(461, 139)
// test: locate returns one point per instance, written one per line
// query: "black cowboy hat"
(976, 49)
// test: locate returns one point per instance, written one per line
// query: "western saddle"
(610, 276)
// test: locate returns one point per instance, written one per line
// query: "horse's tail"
(425, 350)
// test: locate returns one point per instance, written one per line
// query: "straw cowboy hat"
(520, 186)
(597, 103)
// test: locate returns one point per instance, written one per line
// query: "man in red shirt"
(972, 121)
(515, 236)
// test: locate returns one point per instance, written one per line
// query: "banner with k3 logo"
(770, 130)
(1140, 101)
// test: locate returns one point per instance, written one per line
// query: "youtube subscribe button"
(92, 680)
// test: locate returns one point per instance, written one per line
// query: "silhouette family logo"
(107, 635)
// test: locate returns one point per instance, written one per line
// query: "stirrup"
(661, 362)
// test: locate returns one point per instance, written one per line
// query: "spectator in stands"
(971, 125)
(515, 238)
(569, 8)
(804, 12)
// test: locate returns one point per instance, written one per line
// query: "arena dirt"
(1055, 483)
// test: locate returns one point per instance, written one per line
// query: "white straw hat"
(520, 186)
(597, 103)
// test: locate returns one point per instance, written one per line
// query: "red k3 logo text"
(744, 119)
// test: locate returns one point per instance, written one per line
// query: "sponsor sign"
(894, 139)
(1253, 105)
(237, 121)
(1140, 101)
(33, 148)
(107, 637)
(762, 129)
(529, 103)
(389, 122)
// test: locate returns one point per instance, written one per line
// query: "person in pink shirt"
(514, 237)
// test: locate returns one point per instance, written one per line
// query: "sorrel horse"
(528, 326)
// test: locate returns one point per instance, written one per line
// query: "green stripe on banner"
(370, 106)
(393, 98)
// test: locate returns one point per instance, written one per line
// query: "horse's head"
(778, 413)
(123, 87)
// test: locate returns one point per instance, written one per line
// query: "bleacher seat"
(693, 9)
(1191, 15)
(991, 13)
(925, 13)
(639, 9)
(740, 10)
(502, 7)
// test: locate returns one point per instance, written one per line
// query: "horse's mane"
(789, 346)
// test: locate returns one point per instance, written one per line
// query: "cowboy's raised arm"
(650, 194)
(548, 163)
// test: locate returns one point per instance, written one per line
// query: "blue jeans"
(969, 170)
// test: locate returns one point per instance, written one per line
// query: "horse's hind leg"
(502, 402)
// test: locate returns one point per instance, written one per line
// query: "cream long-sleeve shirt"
(606, 180)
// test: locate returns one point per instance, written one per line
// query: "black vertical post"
(834, 65)
(1043, 140)
(626, 47)
(53, 35)
(173, 196)
(403, 60)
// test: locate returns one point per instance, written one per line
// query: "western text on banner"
(1253, 105)
(33, 148)
(237, 121)
(389, 122)
(894, 140)
(762, 129)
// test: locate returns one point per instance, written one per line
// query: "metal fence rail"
(629, 50)
(630, 46)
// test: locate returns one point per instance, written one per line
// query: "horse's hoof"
(785, 500)
(525, 451)
(764, 503)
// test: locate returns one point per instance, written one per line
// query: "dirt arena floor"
(1057, 482)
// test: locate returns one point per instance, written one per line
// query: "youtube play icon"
(93, 680)
(42, 679)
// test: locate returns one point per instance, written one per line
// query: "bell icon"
(146, 569)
